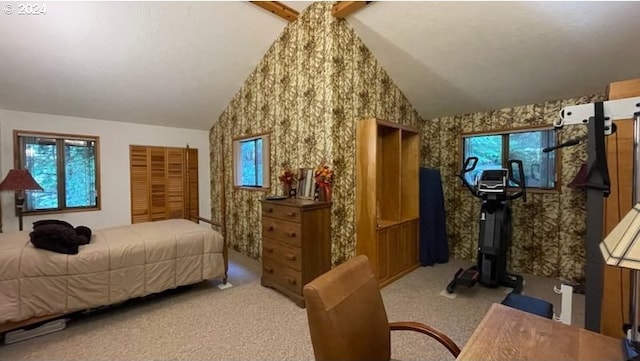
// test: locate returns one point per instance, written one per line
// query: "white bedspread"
(120, 263)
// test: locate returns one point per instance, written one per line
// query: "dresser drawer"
(281, 230)
(281, 211)
(284, 276)
(282, 253)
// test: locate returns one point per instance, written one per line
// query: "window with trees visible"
(251, 161)
(494, 150)
(66, 167)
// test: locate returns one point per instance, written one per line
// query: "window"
(66, 166)
(494, 150)
(251, 161)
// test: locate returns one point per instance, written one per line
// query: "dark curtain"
(434, 244)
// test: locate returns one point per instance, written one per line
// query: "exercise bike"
(495, 226)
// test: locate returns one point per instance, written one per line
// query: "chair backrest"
(346, 314)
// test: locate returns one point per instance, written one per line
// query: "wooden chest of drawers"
(296, 244)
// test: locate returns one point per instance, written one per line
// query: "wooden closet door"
(193, 206)
(139, 168)
(176, 191)
(158, 183)
(164, 183)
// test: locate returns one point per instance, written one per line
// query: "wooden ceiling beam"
(344, 8)
(278, 9)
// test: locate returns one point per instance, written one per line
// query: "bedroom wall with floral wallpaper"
(312, 86)
(549, 229)
(309, 90)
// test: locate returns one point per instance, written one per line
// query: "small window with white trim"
(251, 162)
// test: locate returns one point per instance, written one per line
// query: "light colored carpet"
(251, 322)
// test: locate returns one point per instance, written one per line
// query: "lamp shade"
(19, 180)
(621, 247)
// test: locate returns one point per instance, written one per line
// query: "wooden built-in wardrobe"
(164, 183)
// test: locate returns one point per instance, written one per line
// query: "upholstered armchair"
(347, 318)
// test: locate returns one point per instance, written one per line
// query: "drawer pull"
(291, 214)
(291, 234)
(268, 250)
(270, 228)
(292, 281)
(269, 210)
(268, 269)
(290, 257)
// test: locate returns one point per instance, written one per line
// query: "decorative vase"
(286, 189)
(324, 193)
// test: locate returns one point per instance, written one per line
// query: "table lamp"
(19, 180)
(622, 248)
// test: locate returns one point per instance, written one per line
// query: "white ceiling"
(180, 63)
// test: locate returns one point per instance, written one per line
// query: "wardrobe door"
(176, 177)
(139, 170)
(192, 206)
(164, 183)
(158, 183)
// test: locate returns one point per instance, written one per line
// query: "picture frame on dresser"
(306, 187)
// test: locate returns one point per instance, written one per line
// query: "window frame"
(17, 162)
(266, 159)
(505, 150)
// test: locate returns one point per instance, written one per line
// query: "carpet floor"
(251, 322)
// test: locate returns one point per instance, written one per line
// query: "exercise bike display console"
(493, 181)
(495, 226)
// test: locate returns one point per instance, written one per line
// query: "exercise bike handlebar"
(519, 182)
(469, 165)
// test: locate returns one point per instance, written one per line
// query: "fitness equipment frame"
(495, 226)
(598, 118)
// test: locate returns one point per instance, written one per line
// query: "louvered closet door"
(158, 183)
(138, 160)
(193, 207)
(176, 195)
(164, 183)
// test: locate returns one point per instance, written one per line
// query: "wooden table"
(509, 334)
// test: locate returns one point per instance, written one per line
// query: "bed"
(118, 264)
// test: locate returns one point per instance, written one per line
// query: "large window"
(494, 150)
(66, 166)
(251, 161)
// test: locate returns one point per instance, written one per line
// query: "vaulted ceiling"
(180, 63)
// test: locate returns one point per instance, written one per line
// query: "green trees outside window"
(251, 162)
(496, 149)
(66, 168)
